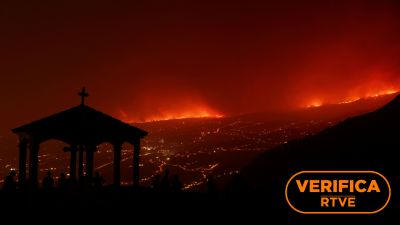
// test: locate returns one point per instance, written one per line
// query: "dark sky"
(148, 59)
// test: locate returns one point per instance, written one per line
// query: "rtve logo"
(338, 192)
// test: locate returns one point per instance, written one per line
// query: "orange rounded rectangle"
(315, 186)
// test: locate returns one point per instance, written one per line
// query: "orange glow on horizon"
(314, 104)
(380, 93)
(199, 111)
(184, 115)
(318, 103)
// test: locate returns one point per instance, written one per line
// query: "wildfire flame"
(185, 115)
(199, 111)
(318, 103)
(314, 104)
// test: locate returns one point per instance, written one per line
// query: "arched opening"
(103, 162)
(52, 158)
(126, 164)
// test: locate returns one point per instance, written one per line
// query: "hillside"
(366, 142)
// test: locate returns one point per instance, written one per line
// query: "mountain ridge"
(366, 142)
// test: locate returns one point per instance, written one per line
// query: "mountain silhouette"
(367, 142)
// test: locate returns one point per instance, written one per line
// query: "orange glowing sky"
(153, 60)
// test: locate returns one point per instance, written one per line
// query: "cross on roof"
(83, 95)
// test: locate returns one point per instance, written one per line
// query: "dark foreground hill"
(367, 142)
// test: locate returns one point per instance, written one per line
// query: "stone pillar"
(72, 165)
(136, 162)
(117, 164)
(80, 163)
(89, 162)
(33, 163)
(23, 145)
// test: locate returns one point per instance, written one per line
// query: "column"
(23, 144)
(33, 163)
(136, 155)
(72, 165)
(117, 164)
(80, 164)
(89, 162)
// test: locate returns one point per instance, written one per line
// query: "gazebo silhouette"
(83, 129)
